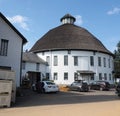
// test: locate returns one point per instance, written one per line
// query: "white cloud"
(20, 20)
(115, 10)
(79, 20)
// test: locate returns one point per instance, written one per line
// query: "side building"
(73, 53)
(11, 47)
(33, 67)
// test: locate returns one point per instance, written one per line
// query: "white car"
(46, 86)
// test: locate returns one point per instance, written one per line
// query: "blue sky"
(34, 18)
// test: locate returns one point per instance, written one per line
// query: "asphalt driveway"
(31, 98)
(93, 103)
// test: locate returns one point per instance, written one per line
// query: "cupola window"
(68, 19)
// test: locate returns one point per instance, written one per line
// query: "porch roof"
(85, 72)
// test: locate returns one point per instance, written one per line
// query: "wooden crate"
(10, 75)
(5, 93)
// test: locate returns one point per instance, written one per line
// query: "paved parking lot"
(71, 103)
(31, 98)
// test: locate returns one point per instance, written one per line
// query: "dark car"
(79, 86)
(118, 89)
(100, 85)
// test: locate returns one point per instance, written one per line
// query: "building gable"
(13, 28)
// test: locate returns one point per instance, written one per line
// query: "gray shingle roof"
(69, 37)
(31, 57)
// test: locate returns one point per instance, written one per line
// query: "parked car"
(45, 87)
(100, 85)
(79, 85)
(118, 89)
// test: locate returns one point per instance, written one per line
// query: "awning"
(85, 72)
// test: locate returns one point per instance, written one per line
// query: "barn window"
(37, 66)
(48, 60)
(91, 60)
(75, 61)
(99, 61)
(55, 76)
(65, 60)
(100, 76)
(4, 47)
(55, 60)
(104, 62)
(65, 76)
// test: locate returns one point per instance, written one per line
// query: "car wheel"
(43, 90)
(87, 90)
(101, 89)
(79, 89)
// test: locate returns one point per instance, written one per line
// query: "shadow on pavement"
(31, 98)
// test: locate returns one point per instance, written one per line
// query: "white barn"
(11, 47)
(73, 53)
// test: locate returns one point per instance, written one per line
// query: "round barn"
(73, 53)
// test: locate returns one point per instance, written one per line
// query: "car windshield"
(50, 83)
(78, 82)
(94, 82)
(75, 82)
(103, 82)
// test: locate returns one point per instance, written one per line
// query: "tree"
(117, 61)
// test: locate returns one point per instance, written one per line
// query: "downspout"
(21, 64)
(51, 65)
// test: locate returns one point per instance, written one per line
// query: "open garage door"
(34, 77)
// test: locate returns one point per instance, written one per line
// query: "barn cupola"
(68, 19)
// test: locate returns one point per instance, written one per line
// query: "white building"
(11, 46)
(74, 53)
(33, 67)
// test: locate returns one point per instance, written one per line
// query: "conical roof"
(69, 37)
